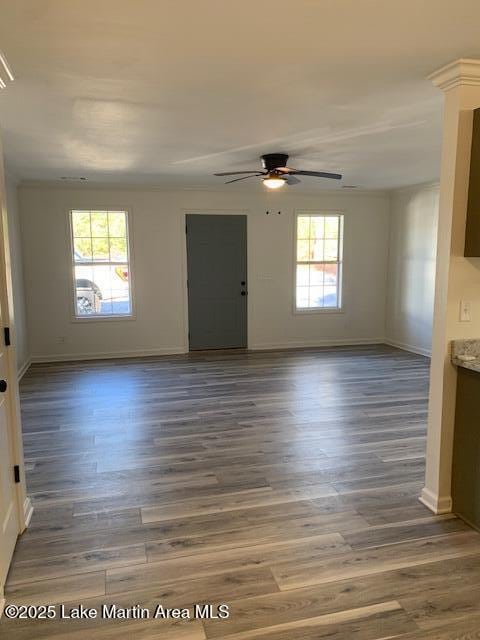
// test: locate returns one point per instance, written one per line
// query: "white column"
(457, 277)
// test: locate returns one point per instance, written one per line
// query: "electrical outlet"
(465, 311)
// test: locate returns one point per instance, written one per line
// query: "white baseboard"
(437, 504)
(23, 369)
(98, 355)
(259, 346)
(299, 344)
(27, 511)
(409, 347)
(170, 351)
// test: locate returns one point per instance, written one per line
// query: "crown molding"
(178, 189)
(464, 71)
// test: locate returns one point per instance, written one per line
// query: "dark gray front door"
(217, 281)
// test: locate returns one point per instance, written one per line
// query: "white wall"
(411, 267)
(158, 236)
(20, 329)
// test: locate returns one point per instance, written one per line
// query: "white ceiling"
(165, 92)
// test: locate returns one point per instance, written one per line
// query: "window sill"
(306, 312)
(112, 318)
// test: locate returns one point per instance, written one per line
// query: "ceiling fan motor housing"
(272, 161)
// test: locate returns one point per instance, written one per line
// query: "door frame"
(183, 221)
(12, 400)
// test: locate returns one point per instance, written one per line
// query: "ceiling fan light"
(274, 182)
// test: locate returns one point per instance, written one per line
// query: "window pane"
(117, 224)
(102, 289)
(88, 296)
(99, 224)
(81, 224)
(330, 297)
(119, 291)
(302, 297)
(331, 271)
(122, 272)
(120, 302)
(316, 274)
(316, 297)
(302, 275)
(118, 249)
(303, 227)
(100, 249)
(331, 250)
(317, 250)
(84, 272)
(82, 250)
(303, 250)
(107, 307)
(318, 227)
(331, 227)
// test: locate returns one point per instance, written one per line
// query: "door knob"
(243, 293)
(3, 386)
(243, 283)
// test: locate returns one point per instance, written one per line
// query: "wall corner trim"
(437, 504)
(23, 369)
(27, 511)
(409, 347)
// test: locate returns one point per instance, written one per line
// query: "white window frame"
(101, 317)
(340, 262)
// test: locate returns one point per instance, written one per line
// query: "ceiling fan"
(276, 173)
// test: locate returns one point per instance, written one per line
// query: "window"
(319, 240)
(101, 267)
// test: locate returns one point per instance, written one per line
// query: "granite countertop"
(466, 354)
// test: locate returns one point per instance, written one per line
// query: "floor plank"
(383, 620)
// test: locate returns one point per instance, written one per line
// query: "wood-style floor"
(282, 484)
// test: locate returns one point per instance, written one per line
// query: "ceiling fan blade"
(292, 180)
(235, 173)
(244, 178)
(315, 174)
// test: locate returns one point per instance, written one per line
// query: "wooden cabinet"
(472, 232)
(466, 448)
